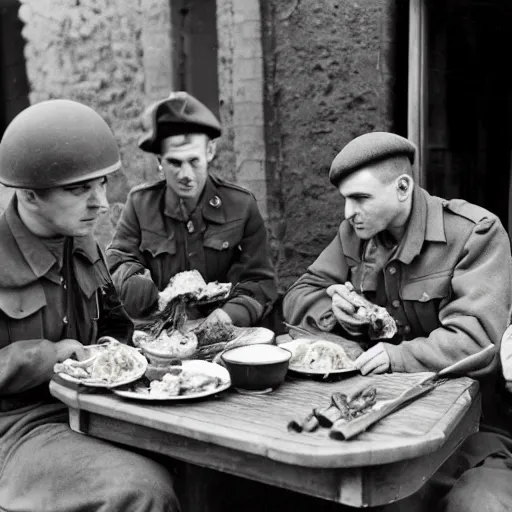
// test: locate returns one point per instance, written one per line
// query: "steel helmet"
(55, 143)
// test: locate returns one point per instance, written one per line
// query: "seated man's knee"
(480, 489)
(146, 486)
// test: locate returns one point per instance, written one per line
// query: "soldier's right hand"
(69, 347)
(341, 294)
(139, 295)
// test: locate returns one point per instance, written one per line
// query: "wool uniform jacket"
(224, 238)
(448, 285)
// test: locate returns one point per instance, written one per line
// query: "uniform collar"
(426, 223)
(209, 203)
(27, 259)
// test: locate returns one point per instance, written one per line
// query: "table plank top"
(257, 424)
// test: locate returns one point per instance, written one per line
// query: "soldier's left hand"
(218, 316)
(374, 360)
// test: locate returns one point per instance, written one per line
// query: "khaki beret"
(178, 114)
(368, 149)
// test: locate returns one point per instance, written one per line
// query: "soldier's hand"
(68, 347)
(342, 294)
(374, 360)
(139, 295)
(218, 316)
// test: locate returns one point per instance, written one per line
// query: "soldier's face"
(185, 163)
(370, 205)
(72, 210)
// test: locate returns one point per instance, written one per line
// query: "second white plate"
(292, 345)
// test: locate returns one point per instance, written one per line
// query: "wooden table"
(246, 435)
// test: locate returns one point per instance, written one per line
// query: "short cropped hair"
(390, 169)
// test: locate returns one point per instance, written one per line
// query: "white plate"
(99, 384)
(191, 365)
(292, 345)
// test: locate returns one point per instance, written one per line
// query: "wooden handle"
(350, 429)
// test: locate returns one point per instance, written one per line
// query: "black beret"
(178, 114)
(368, 149)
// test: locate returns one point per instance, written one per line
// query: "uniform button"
(396, 303)
(225, 245)
(215, 201)
(407, 329)
(392, 270)
(65, 319)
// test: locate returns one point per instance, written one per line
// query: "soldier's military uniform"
(47, 296)
(448, 286)
(224, 237)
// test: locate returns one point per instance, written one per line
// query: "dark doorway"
(195, 26)
(469, 140)
(14, 87)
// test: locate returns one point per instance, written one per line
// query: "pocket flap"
(157, 244)
(426, 289)
(224, 237)
(17, 304)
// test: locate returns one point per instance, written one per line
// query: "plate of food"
(108, 364)
(188, 380)
(315, 356)
(201, 339)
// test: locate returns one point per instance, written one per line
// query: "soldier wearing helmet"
(55, 297)
(191, 220)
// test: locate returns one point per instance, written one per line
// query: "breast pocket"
(423, 297)
(156, 244)
(222, 248)
(160, 252)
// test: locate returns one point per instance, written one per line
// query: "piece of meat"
(381, 324)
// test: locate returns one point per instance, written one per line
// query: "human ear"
(404, 186)
(27, 197)
(211, 149)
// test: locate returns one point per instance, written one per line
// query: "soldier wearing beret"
(441, 269)
(56, 296)
(191, 220)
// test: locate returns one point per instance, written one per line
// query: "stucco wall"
(323, 87)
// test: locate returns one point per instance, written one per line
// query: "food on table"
(140, 337)
(381, 324)
(209, 333)
(111, 363)
(174, 344)
(179, 381)
(191, 284)
(206, 341)
(319, 355)
(342, 409)
(168, 386)
(156, 372)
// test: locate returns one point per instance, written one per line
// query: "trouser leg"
(53, 469)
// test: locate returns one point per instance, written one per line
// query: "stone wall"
(91, 51)
(323, 87)
(297, 81)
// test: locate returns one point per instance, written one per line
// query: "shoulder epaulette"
(223, 183)
(147, 185)
(469, 211)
